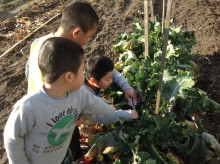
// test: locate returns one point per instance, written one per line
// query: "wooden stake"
(146, 27)
(6, 52)
(163, 15)
(165, 42)
(152, 10)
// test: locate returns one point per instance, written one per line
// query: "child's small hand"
(130, 93)
(134, 114)
(114, 107)
(80, 121)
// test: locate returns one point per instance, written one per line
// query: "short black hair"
(97, 66)
(79, 13)
(59, 55)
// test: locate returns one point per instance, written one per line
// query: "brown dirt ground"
(116, 16)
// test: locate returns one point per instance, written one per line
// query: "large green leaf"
(197, 100)
(174, 88)
(151, 137)
(213, 143)
(99, 143)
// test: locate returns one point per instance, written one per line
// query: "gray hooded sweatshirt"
(39, 128)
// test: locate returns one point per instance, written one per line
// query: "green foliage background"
(176, 135)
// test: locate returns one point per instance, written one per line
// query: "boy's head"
(59, 56)
(80, 21)
(99, 71)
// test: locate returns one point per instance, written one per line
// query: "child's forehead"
(108, 74)
(93, 29)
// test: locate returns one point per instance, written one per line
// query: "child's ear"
(93, 81)
(69, 76)
(76, 32)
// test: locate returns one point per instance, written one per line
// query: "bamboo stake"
(165, 42)
(15, 45)
(152, 10)
(146, 29)
(163, 15)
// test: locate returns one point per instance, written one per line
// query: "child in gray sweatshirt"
(100, 73)
(40, 127)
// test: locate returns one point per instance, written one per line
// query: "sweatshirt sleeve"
(119, 79)
(15, 130)
(100, 119)
(95, 104)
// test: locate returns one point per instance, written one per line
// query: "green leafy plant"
(176, 135)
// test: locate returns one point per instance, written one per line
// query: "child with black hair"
(99, 75)
(79, 22)
(40, 127)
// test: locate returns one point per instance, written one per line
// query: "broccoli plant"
(176, 134)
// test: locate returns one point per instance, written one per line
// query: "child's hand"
(80, 121)
(114, 107)
(130, 93)
(134, 114)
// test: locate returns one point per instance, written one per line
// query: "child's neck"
(54, 90)
(94, 88)
(61, 33)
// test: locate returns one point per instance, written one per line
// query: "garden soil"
(116, 16)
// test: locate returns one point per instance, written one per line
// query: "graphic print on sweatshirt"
(60, 127)
(59, 133)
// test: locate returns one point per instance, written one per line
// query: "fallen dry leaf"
(36, 5)
(22, 21)
(109, 149)
(18, 36)
(22, 31)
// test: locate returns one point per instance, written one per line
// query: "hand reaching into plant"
(130, 93)
(114, 107)
(134, 115)
(80, 121)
